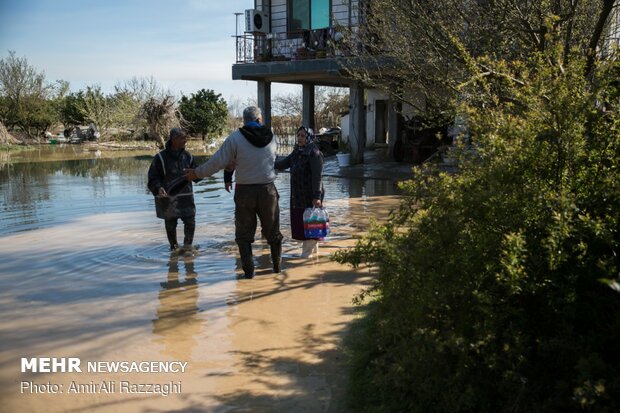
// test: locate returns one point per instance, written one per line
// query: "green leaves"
(495, 283)
(205, 111)
(513, 262)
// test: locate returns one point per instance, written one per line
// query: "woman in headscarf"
(306, 165)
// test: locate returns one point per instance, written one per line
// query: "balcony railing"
(308, 44)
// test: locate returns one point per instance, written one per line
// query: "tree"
(125, 110)
(137, 104)
(289, 105)
(422, 53)
(329, 103)
(205, 113)
(92, 106)
(160, 116)
(142, 89)
(36, 115)
(71, 110)
(24, 95)
(97, 108)
(287, 114)
(5, 136)
(493, 283)
(235, 111)
(131, 96)
(493, 286)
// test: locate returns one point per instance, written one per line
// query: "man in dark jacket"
(252, 151)
(174, 195)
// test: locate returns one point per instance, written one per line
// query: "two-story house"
(298, 42)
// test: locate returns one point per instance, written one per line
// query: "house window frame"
(289, 7)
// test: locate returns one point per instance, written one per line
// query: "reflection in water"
(176, 323)
(358, 188)
(35, 194)
(94, 220)
(86, 271)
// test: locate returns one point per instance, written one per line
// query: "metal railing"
(308, 44)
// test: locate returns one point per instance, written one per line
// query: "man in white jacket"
(252, 151)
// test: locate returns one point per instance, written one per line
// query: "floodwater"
(85, 272)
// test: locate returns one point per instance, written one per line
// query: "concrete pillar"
(263, 99)
(357, 124)
(307, 117)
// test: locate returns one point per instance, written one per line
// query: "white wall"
(344, 127)
(372, 95)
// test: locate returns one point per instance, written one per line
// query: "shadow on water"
(177, 307)
(315, 383)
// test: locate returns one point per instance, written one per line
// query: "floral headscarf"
(309, 133)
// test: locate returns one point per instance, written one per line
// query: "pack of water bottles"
(316, 223)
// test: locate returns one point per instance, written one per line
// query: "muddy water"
(85, 273)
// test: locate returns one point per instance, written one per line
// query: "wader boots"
(247, 262)
(276, 256)
(189, 226)
(171, 233)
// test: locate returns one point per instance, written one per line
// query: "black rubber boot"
(247, 261)
(276, 256)
(171, 233)
(189, 227)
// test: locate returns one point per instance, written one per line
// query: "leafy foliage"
(29, 104)
(97, 107)
(420, 52)
(35, 115)
(205, 112)
(25, 96)
(70, 110)
(492, 293)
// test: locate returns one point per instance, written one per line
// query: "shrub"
(493, 287)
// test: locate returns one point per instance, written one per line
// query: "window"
(308, 14)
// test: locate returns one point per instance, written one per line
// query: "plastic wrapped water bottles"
(316, 223)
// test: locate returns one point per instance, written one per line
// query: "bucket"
(344, 159)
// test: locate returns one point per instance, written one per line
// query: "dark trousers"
(257, 200)
(297, 224)
(189, 226)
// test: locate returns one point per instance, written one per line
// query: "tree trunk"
(161, 143)
(5, 137)
(608, 5)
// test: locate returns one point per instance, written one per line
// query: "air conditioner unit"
(256, 21)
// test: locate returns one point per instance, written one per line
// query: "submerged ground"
(85, 273)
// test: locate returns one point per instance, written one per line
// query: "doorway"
(381, 121)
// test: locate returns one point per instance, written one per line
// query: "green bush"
(493, 288)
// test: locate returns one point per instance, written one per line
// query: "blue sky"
(185, 45)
